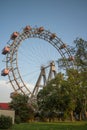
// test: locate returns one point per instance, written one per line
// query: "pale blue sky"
(67, 18)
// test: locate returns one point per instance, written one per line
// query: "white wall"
(10, 113)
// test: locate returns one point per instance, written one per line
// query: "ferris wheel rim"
(11, 58)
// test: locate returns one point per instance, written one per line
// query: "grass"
(51, 126)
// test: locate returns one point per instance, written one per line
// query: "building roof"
(4, 106)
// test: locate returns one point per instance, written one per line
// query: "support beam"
(52, 72)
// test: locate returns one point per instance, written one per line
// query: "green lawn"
(51, 126)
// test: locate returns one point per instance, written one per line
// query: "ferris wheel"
(31, 55)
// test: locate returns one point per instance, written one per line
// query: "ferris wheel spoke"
(28, 61)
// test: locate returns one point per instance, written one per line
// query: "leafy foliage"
(21, 106)
(5, 122)
(81, 54)
(65, 97)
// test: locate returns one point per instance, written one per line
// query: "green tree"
(55, 100)
(45, 99)
(62, 97)
(77, 78)
(78, 86)
(81, 108)
(74, 85)
(21, 106)
(67, 94)
(81, 54)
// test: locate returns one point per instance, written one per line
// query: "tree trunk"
(80, 116)
(71, 116)
(85, 114)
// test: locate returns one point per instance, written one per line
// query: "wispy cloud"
(5, 90)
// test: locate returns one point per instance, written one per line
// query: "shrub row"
(5, 122)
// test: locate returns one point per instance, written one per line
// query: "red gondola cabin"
(13, 94)
(5, 72)
(41, 29)
(62, 46)
(14, 35)
(52, 36)
(71, 58)
(5, 50)
(27, 28)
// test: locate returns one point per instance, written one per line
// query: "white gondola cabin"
(5, 50)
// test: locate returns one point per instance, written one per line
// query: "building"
(4, 106)
(6, 111)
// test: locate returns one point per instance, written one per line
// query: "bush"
(5, 122)
(17, 120)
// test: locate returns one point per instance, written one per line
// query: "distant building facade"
(4, 106)
(6, 111)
